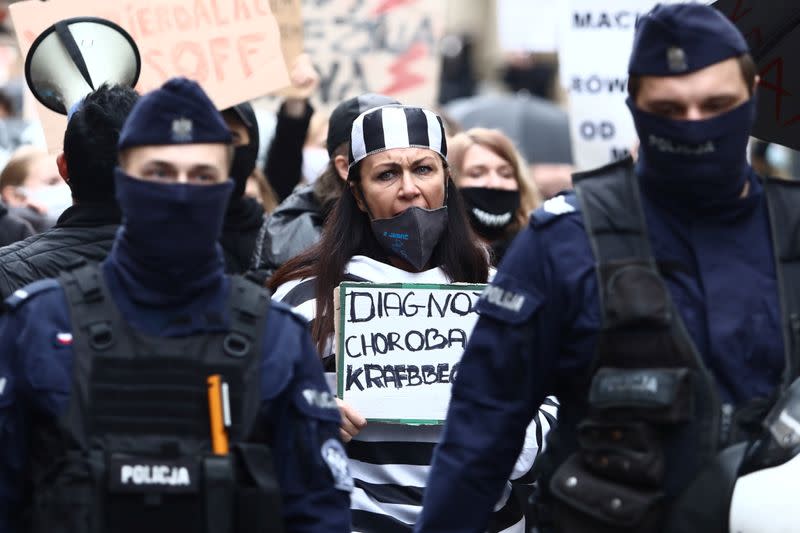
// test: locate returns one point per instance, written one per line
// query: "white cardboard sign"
(399, 345)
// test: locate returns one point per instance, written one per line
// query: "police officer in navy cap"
(658, 302)
(153, 392)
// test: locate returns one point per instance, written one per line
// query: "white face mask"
(314, 162)
(54, 199)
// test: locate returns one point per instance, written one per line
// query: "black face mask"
(413, 234)
(167, 245)
(697, 164)
(490, 211)
(244, 157)
(244, 161)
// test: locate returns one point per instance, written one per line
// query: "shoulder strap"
(612, 213)
(249, 305)
(783, 197)
(95, 320)
(633, 294)
(91, 310)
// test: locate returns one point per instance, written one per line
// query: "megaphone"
(75, 56)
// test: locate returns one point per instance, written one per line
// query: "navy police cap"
(178, 112)
(678, 39)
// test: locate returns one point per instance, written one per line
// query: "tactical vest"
(133, 451)
(651, 448)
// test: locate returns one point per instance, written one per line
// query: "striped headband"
(396, 126)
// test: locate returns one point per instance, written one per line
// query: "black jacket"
(84, 231)
(12, 228)
(295, 225)
(242, 223)
(284, 165)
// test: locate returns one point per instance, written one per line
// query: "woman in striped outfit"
(399, 220)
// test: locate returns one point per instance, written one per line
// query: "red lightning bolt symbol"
(388, 5)
(403, 78)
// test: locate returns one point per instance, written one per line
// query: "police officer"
(154, 393)
(655, 302)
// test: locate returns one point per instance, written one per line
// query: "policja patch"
(335, 457)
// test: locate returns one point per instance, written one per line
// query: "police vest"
(133, 451)
(651, 448)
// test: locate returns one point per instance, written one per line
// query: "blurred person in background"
(770, 159)
(315, 155)
(297, 222)
(494, 184)
(398, 183)
(12, 227)
(244, 215)
(538, 127)
(285, 155)
(258, 188)
(31, 186)
(6, 106)
(85, 230)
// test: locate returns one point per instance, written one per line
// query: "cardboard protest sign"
(289, 14)
(399, 345)
(595, 48)
(528, 25)
(383, 46)
(232, 48)
(773, 33)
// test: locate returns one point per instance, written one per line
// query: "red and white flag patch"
(64, 339)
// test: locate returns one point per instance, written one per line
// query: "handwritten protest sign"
(399, 346)
(593, 65)
(383, 46)
(774, 40)
(232, 47)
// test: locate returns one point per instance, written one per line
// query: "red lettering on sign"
(153, 59)
(183, 20)
(736, 15)
(146, 25)
(162, 15)
(794, 120)
(240, 10)
(780, 92)
(756, 34)
(388, 5)
(217, 17)
(219, 48)
(190, 61)
(200, 11)
(246, 47)
(403, 78)
(262, 7)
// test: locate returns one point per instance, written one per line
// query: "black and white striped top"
(390, 463)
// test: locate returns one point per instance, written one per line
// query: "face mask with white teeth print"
(491, 211)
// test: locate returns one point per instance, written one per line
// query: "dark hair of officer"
(90, 142)
(348, 233)
(746, 65)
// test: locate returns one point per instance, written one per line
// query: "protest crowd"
(299, 299)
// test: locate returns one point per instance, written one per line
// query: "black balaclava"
(694, 164)
(244, 157)
(166, 254)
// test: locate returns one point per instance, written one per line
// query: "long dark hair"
(348, 233)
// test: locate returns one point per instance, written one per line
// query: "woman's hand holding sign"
(352, 421)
